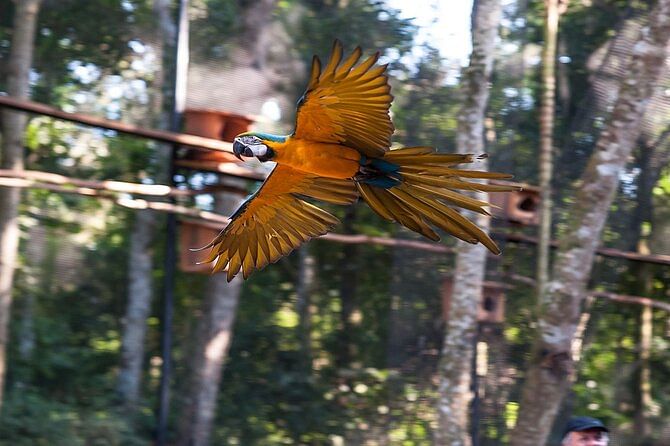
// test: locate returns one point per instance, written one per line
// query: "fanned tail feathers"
(428, 193)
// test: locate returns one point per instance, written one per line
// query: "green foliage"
(375, 346)
(63, 393)
(426, 107)
(213, 24)
(354, 22)
(278, 400)
(365, 23)
(30, 419)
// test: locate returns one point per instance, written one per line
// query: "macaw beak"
(241, 150)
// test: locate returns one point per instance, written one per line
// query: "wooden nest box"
(492, 304)
(196, 234)
(520, 207)
(215, 124)
(491, 308)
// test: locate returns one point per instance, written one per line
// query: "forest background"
(339, 343)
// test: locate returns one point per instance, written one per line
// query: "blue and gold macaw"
(338, 152)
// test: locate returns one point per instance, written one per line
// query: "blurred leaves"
(96, 57)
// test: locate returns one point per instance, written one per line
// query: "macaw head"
(252, 144)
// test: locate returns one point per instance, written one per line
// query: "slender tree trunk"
(659, 239)
(255, 19)
(607, 66)
(347, 269)
(644, 401)
(563, 80)
(214, 336)
(658, 242)
(13, 126)
(455, 364)
(653, 159)
(26, 340)
(36, 251)
(496, 382)
(140, 286)
(306, 285)
(551, 368)
(546, 164)
(141, 262)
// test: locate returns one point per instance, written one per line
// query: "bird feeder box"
(519, 207)
(491, 307)
(196, 234)
(215, 124)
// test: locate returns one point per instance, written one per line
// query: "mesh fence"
(75, 249)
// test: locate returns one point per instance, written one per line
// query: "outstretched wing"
(276, 220)
(347, 104)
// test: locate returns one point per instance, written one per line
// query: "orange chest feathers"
(318, 158)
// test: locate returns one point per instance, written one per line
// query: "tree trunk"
(643, 396)
(658, 242)
(348, 269)
(652, 160)
(607, 67)
(37, 284)
(563, 80)
(13, 126)
(546, 164)
(26, 334)
(255, 19)
(305, 288)
(213, 338)
(140, 285)
(455, 364)
(496, 383)
(551, 369)
(141, 262)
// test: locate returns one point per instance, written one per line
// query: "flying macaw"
(340, 150)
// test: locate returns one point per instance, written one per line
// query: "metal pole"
(181, 68)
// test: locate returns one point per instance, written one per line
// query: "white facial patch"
(254, 144)
(258, 149)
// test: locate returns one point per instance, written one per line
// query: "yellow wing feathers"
(276, 220)
(347, 104)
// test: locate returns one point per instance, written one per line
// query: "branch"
(623, 298)
(386, 241)
(37, 179)
(110, 189)
(131, 203)
(660, 259)
(158, 135)
(135, 203)
(627, 299)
